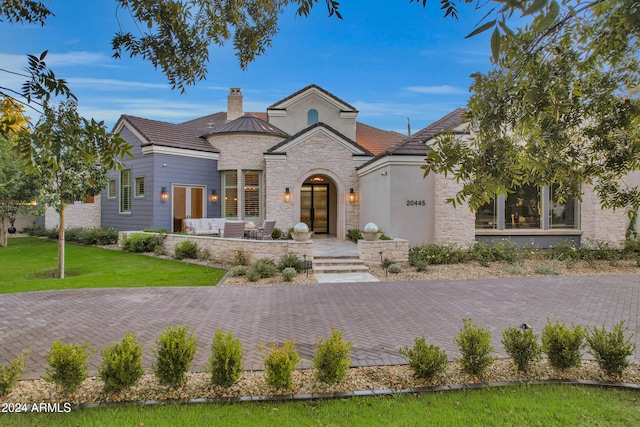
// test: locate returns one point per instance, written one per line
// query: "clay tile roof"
(170, 135)
(414, 145)
(319, 124)
(247, 123)
(376, 140)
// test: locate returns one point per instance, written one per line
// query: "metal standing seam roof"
(414, 145)
(247, 123)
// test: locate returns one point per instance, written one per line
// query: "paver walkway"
(378, 317)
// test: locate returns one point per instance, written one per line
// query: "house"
(308, 159)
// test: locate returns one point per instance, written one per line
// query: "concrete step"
(348, 268)
(336, 261)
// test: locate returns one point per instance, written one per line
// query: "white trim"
(348, 114)
(276, 112)
(530, 232)
(398, 160)
(268, 157)
(122, 123)
(158, 149)
(361, 158)
(317, 92)
(300, 139)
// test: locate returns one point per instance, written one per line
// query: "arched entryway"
(318, 204)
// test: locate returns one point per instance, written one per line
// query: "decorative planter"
(370, 232)
(301, 232)
(12, 230)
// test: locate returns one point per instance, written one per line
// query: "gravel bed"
(252, 383)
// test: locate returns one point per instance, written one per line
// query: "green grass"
(539, 405)
(28, 264)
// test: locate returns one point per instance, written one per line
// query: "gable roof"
(247, 123)
(344, 106)
(166, 134)
(415, 145)
(349, 142)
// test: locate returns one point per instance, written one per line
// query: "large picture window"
(251, 194)
(125, 191)
(529, 207)
(230, 191)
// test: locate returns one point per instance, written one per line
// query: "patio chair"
(264, 232)
(233, 229)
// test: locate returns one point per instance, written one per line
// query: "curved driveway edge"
(378, 317)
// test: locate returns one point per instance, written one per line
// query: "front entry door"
(314, 207)
(188, 202)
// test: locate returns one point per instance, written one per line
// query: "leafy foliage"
(475, 347)
(291, 260)
(562, 345)
(279, 363)
(288, 274)
(611, 349)
(522, 346)
(332, 358)
(67, 365)
(174, 352)
(354, 234)
(225, 361)
(265, 267)
(139, 243)
(10, 374)
(426, 361)
(437, 253)
(121, 365)
(186, 249)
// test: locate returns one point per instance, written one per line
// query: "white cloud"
(112, 84)
(437, 90)
(72, 59)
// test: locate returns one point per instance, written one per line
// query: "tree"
(554, 113)
(72, 157)
(17, 188)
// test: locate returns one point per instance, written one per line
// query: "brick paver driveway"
(378, 317)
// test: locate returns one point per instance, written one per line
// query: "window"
(111, 192)
(312, 117)
(125, 191)
(529, 207)
(522, 208)
(140, 187)
(230, 191)
(562, 215)
(251, 194)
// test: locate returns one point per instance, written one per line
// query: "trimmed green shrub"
(387, 262)
(36, 230)
(522, 346)
(265, 267)
(174, 353)
(91, 236)
(475, 347)
(240, 258)
(332, 358)
(67, 365)
(426, 361)
(562, 345)
(121, 365)
(394, 268)
(288, 274)
(496, 250)
(291, 260)
(354, 234)
(253, 275)
(225, 361)
(610, 348)
(239, 270)
(10, 374)
(276, 234)
(566, 250)
(437, 253)
(186, 249)
(279, 364)
(140, 243)
(602, 250)
(420, 265)
(204, 254)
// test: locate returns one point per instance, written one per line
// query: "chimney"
(234, 104)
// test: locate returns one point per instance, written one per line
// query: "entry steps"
(338, 264)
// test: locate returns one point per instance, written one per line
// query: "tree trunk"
(4, 223)
(61, 246)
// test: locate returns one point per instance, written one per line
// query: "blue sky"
(390, 62)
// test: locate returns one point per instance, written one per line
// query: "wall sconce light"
(287, 195)
(164, 194)
(352, 195)
(214, 196)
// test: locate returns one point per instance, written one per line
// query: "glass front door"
(188, 202)
(314, 207)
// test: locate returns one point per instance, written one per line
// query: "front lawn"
(539, 405)
(28, 264)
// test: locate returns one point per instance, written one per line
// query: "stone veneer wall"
(224, 250)
(600, 224)
(317, 155)
(452, 224)
(396, 250)
(76, 215)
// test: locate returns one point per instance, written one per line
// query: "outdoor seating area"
(229, 229)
